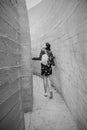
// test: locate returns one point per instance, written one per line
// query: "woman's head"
(48, 46)
(43, 46)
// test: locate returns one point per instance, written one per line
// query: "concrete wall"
(15, 94)
(26, 74)
(63, 23)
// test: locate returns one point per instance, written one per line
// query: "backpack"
(44, 59)
(47, 58)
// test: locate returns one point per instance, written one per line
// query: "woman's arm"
(35, 58)
(40, 56)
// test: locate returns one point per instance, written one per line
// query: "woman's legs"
(45, 84)
(49, 87)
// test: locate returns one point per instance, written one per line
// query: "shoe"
(45, 94)
(51, 95)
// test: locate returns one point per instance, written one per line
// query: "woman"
(46, 69)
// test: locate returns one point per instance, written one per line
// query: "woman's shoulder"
(42, 51)
(49, 51)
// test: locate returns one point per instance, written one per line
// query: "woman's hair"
(48, 46)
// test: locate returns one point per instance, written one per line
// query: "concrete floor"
(48, 114)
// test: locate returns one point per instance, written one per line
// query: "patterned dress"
(46, 70)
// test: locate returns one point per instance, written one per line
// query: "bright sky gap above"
(32, 3)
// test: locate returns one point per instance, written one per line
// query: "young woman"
(46, 69)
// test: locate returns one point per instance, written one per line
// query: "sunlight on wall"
(32, 3)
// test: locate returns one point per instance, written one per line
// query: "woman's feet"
(51, 95)
(45, 94)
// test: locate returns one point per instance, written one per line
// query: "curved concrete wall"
(15, 73)
(63, 23)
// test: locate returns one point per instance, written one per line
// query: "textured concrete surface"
(27, 89)
(48, 114)
(14, 98)
(63, 23)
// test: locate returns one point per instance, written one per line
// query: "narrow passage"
(48, 114)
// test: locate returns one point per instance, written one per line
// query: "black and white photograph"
(43, 64)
